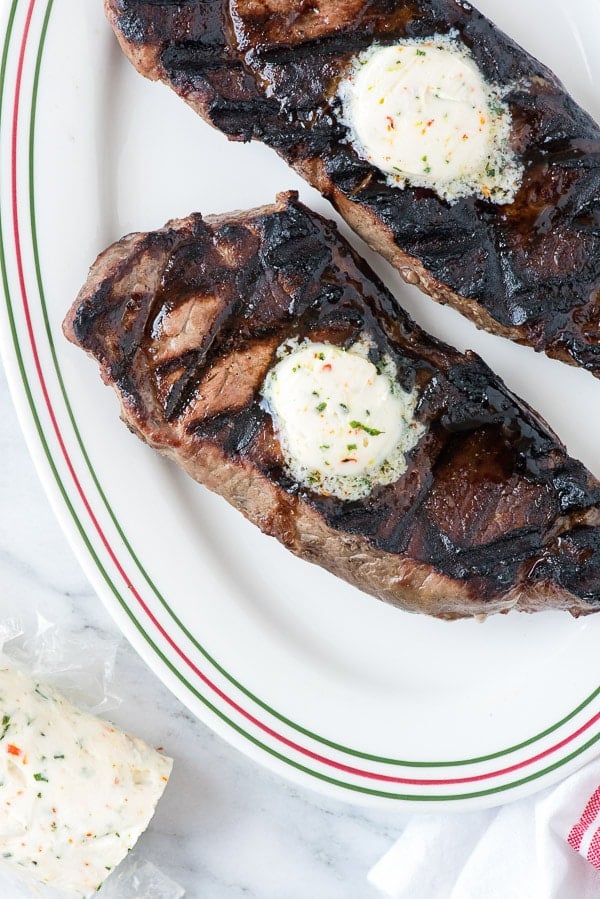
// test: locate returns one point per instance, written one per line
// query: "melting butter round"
(422, 112)
(344, 424)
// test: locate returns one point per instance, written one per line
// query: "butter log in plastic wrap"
(75, 792)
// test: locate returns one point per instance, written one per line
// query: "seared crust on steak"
(185, 322)
(269, 69)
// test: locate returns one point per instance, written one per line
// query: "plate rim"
(47, 470)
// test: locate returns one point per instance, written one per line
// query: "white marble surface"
(226, 827)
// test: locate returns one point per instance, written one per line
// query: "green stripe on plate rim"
(114, 590)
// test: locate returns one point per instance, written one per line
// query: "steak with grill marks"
(185, 323)
(269, 70)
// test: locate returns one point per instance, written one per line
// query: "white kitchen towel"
(543, 847)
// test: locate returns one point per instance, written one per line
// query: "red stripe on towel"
(587, 818)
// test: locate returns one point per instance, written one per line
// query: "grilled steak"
(259, 69)
(186, 323)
